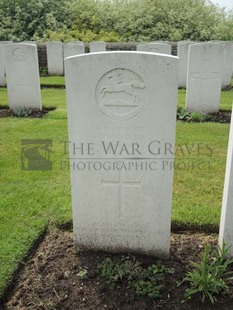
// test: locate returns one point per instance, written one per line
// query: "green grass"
(225, 104)
(3, 96)
(198, 180)
(52, 80)
(31, 200)
(55, 98)
(50, 98)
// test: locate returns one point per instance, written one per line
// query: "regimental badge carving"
(19, 54)
(120, 94)
(154, 50)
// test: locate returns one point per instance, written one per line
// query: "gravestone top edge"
(121, 53)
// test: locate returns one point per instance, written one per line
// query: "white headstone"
(232, 71)
(232, 63)
(227, 63)
(226, 227)
(72, 49)
(22, 73)
(2, 66)
(204, 78)
(182, 53)
(161, 48)
(122, 201)
(97, 46)
(55, 58)
(2, 62)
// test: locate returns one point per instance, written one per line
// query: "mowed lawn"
(33, 200)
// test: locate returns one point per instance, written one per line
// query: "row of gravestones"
(221, 60)
(205, 68)
(121, 109)
(19, 66)
(57, 52)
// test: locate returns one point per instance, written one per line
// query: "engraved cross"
(22, 81)
(121, 184)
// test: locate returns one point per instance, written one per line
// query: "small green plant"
(43, 70)
(182, 114)
(22, 112)
(144, 281)
(146, 288)
(82, 274)
(198, 117)
(210, 276)
(114, 272)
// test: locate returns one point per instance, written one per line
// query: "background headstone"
(2, 63)
(161, 48)
(182, 53)
(22, 73)
(55, 58)
(72, 49)
(204, 77)
(226, 227)
(231, 42)
(122, 97)
(97, 46)
(2, 66)
(227, 63)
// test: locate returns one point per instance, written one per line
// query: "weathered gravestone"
(227, 62)
(2, 66)
(182, 53)
(161, 48)
(22, 74)
(72, 49)
(2, 62)
(55, 58)
(204, 78)
(122, 197)
(97, 46)
(232, 64)
(226, 224)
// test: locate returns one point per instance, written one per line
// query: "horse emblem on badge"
(120, 94)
